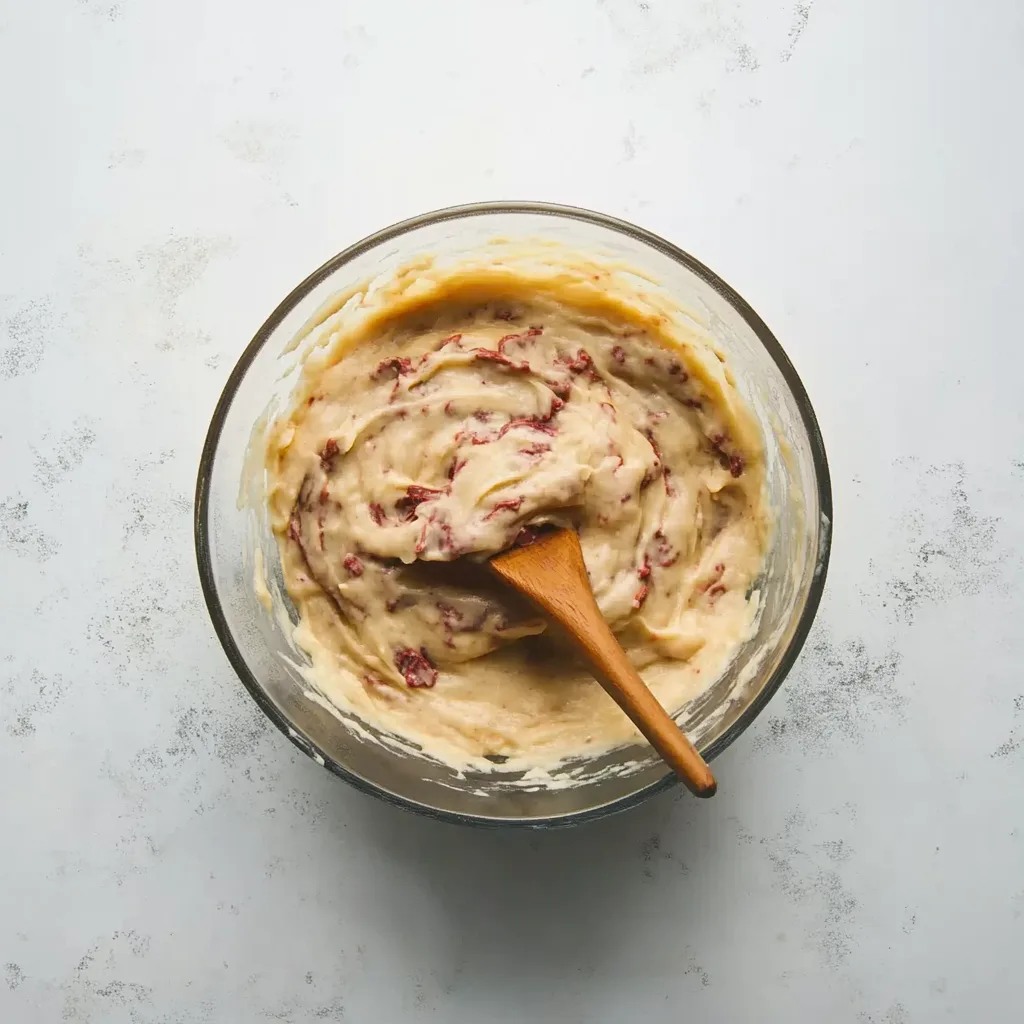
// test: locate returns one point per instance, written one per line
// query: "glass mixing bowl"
(233, 537)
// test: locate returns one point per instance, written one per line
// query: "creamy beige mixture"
(455, 421)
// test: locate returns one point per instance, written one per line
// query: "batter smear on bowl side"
(462, 411)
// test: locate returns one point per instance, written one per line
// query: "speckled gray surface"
(171, 170)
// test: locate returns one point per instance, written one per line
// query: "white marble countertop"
(171, 170)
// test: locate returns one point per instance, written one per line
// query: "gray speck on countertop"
(29, 331)
(19, 534)
(172, 268)
(948, 548)
(821, 889)
(801, 15)
(13, 975)
(27, 700)
(61, 455)
(838, 689)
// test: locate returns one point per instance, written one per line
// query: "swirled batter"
(456, 420)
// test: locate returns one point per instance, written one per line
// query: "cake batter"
(457, 419)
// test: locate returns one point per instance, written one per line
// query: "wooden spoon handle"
(552, 573)
(592, 636)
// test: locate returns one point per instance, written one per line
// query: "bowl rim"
(768, 340)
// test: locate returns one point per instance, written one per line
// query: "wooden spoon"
(551, 573)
